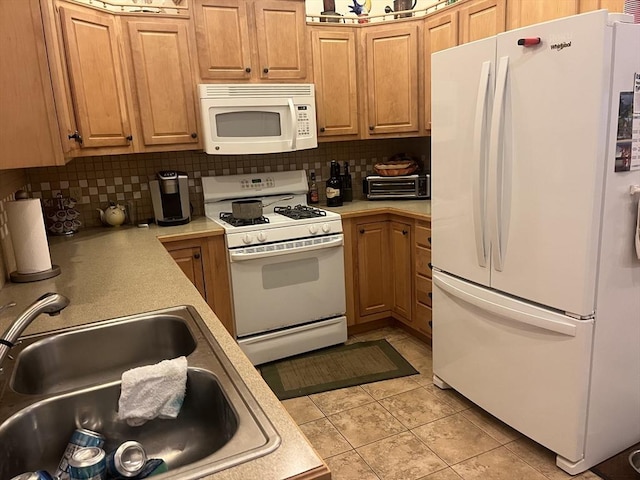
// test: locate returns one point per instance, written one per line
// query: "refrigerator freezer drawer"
(525, 365)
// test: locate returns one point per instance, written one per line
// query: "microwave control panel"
(303, 121)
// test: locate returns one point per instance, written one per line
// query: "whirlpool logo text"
(560, 46)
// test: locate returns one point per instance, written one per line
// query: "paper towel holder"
(18, 277)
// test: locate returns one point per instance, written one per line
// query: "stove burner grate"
(300, 211)
(242, 222)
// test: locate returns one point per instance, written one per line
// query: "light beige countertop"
(118, 271)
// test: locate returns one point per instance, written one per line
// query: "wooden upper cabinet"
(393, 78)
(281, 36)
(96, 78)
(29, 135)
(440, 33)
(251, 39)
(521, 13)
(481, 20)
(163, 81)
(335, 76)
(222, 36)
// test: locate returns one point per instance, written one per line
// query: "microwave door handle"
(294, 123)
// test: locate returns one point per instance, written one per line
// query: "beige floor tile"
(453, 398)
(366, 424)
(350, 466)
(417, 407)
(446, 474)
(502, 432)
(415, 352)
(498, 464)
(302, 409)
(539, 457)
(388, 333)
(325, 438)
(387, 388)
(424, 379)
(455, 439)
(336, 401)
(588, 475)
(401, 457)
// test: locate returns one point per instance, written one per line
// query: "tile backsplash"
(96, 181)
(124, 179)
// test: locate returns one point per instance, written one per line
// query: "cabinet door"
(282, 41)
(374, 292)
(521, 13)
(189, 260)
(29, 135)
(392, 66)
(440, 32)
(222, 38)
(163, 81)
(96, 79)
(335, 73)
(401, 268)
(611, 5)
(481, 20)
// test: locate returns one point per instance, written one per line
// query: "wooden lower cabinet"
(204, 261)
(388, 272)
(422, 277)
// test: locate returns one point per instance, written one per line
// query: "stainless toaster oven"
(377, 187)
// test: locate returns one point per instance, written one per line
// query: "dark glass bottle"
(314, 198)
(334, 186)
(347, 190)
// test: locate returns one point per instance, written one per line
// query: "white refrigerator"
(536, 281)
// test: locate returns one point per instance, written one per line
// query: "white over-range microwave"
(257, 118)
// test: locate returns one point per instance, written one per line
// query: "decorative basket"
(394, 168)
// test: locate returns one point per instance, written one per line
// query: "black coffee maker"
(170, 198)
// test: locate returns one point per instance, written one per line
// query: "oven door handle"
(332, 242)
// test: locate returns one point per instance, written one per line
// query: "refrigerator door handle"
(496, 157)
(457, 289)
(480, 162)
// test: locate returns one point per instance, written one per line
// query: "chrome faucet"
(51, 303)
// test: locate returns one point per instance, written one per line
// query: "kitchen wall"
(96, 181)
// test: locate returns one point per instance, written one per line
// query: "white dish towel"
(153, 391)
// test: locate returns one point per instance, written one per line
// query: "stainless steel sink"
(220, 424)
(99, 354)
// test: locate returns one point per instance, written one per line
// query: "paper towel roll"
(28, 236)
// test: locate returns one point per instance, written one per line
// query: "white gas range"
(286, 266)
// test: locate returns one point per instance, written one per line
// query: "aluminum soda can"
(127, 460)
(37, 475)
(79, 439)
(88, 464)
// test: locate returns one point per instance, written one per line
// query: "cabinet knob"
(429, 239)
(430, 295)
(129, 137)
(196, 256)
(404, 232)
(248, 69)
(322, 129)
(265, 70)
(362, 230)
(76, 136)
(431, 324)
(371, 127)
(194, 135)
(430, 265)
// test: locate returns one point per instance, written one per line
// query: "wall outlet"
(76, 192)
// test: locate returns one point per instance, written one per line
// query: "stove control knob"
(247, 239)
(262, 236)
(326, 228)
(313, 229)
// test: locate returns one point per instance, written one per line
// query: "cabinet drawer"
(423, 290)
(423, 235)
(423, 317)
(423, 259)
